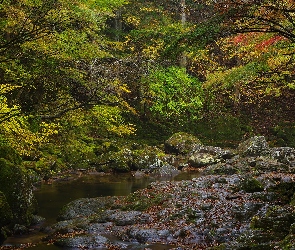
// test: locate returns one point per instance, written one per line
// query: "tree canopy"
(96, 67)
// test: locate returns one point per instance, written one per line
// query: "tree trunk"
(183, 61)
(118, 25)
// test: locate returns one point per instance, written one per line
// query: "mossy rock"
(136, 158)
(8, 153)
(276, 221)
(285, 192)
(284, 134)
(251, 185)
(146, 158)
(255, 239)
(254, 146)
(288, 243)
(5, 218)
(17, 188)
(181, 143)
(120, 161)
(5, 211)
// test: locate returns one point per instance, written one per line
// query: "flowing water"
(52, 197)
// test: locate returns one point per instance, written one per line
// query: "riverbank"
(245, 201)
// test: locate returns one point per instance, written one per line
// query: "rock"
(120, 161)
(181, 143)
(5, 218)
(241, 201)
(36, 220)
(165, 172)
(5, 211)
(123, 218)
(254, 146)
(83, 242)
(283, 154)
(20, 229)
(145, 158)
(16, 190)
(143, 235)
(207, 155)
(250, 184)
(84, 207)
(275, 219)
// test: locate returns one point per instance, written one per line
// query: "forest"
(82, 81)
(80, 78)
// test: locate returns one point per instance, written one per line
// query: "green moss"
(141, 203)
(288, 243)
(219, 247)
(283, 134)
(8, 153)
(181, 143)
(258, 240)
(285, 192)
(17, 188)
(250, 185)
(5, 211)
(276, 222)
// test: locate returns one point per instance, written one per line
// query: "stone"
(83, 242)
(283, 154)
(16, 192)
(254, 146)
(84, 207)
(181, 143)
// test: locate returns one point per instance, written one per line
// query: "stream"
(52, 197)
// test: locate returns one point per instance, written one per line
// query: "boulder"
(181, 143)
(5, 218)
(17, 202)
(18, 190)
(283, 154)
(254, 146)
(208, 155)
(85, 207)
(145, 158)
(165, 172)
(84, 242)
(5, 211)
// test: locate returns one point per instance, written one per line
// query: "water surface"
(52, 197)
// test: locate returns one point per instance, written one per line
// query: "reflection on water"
(52, 197)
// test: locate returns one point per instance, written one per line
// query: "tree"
(47, 48)
(266, 16)
(172, 95)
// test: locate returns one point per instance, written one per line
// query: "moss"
(283, 134)
(145, 157)
(276, 222)
(141, 203)
(181, 143)
(288, 243)
(8, 153)
(250, 185)
(257, 239)
(5, 211)
(17, 188)
(219, 247)
(119, 161)
(285, 192)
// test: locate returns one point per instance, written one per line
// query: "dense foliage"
(78, 77)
